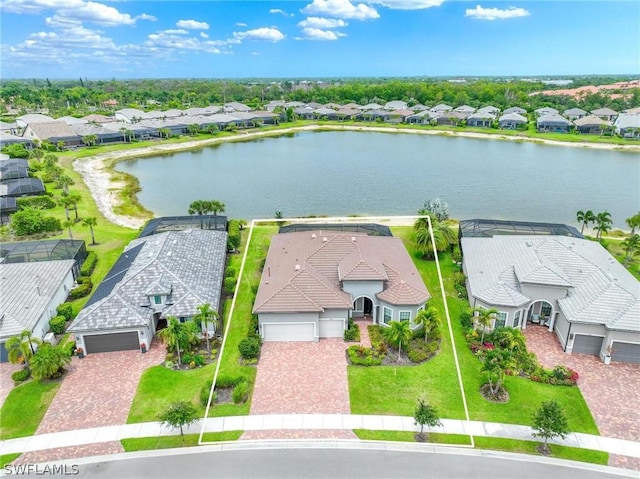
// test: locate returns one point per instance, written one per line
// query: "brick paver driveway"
(301, 378)
(6, 383)
(612, 392)
(96, 391)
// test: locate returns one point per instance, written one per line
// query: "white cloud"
(175, 31)
(317, 22)
(241, 24)
(264, 33)
(495, 13)
(204, 35)
(281, 12)
(407, 4)
(145, 16)
(318, 34)
(36, 6)
(192, 25)
(341, 9)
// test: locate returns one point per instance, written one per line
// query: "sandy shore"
(103, 188)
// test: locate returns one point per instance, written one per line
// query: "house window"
(183, 319)
(405, 315)
(516, 319)
(501, 320)
(157, 299)
(387, 315)
(545, 310)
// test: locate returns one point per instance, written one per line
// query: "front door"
(368, 307)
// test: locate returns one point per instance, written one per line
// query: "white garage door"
(331, 328)
(288, 332)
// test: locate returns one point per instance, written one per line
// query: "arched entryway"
(363, 308)
(541, 312)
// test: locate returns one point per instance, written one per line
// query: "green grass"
(168, 442)
(614, 246)
(389, 390)
(409, 436)
(7, 459)
(24, 408)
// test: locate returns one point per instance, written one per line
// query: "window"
(516, 319)
(545, 310)
(157, 299)
(388, 315)
(183, 319)
(501, 320)
(405, 315)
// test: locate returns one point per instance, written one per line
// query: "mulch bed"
(501, 396)
(224, 396)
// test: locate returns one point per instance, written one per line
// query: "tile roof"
(52, 129)
(27, 290)
(599, 289)
(304, 270)
(188, 264)
(591, 120)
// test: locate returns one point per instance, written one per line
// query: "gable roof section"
(52, 129)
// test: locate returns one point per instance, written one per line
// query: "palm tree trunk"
(93, 239)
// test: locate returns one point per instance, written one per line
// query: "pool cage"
(370, 229)
(485, 228)
(178, 223)
(45, 250)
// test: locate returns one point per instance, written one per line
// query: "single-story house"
(31, 293)
(421, 117)
(96, 118)
(481, 119)
(314, 281)
(628, 125)
(235, 106)
(347, 113)
(547, 110)
(492, 110)
(515, 109)
(371, 106)
(553, 123)
(130, 115)
(574, 113)
(24, 120)
(572, 286)
(465, 109)
(449, 118)
(10, 139)
(156, 276)
(53, 131)
(395, 105)
(104, 134)
(45, 250)
(304, 112)
(324, 112)
(592, 125)
(632, 111)
(22, 187)
(605, 113)
(512, 121)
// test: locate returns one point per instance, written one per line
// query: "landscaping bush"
(466, 318)
(89, 264)
(353, 332)
(249, 347)
(21, 375)
(42, 202)
(240, 392)
(57, 324)
(375, 334)
(30, 221)
(254, 326)
(230, 272)
(83, 289)
(224, 382)
(234, 239)
(66, 310)
(362, 356)
(204, 394)
(229, 285)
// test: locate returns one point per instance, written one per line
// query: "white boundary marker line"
(339, 219)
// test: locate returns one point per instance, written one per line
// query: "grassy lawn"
(25, 406)
(7, 459)
(168, 442)
(409, 436)
(389, 390)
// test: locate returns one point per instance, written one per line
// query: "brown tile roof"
(52, 129)
(303, 271)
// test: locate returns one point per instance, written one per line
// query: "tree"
(21, 348)
(193, 129)
(631, 247)
(199, 207)
(603, 223)
(634, 222)
(398, 333)
(66, 202)
(484, 318)
(69, 224)
(171, 335)
(429, 320)
(60, 145)
(74, 199)
(90, 222)
(178, 415)
(550, 421)
(425, 415)
(495, 364)
(585, 217)
(207, 316)
(435, 208)
(242, 224)
(90, 140)
(63, 181)
(216, 207)
(164, 132)
(49, 361)
(443, 236)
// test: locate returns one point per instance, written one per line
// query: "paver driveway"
(612, 392)
(6, 383)
(96, 391)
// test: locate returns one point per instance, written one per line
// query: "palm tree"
(429, 320)
(66, 202)
(631, 247)
(634, 222)
(199, 207)
(443, 236)
(398, 333)
(193, 129)
(90, 222)
(49, 361)
(216, 207)
(495, 363)
(242, 224)
(207, 316)
(63, 181)
(585, 217)
(603, 223)
(69, 224)
(123, 130)
(74, 199)
(484, 318)
(172, 335)
(21, 348)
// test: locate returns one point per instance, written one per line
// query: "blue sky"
(316, 38)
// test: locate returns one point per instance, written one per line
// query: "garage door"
(587, 344)
(626, 352)
(331, 328)
(104, 343)
(288, 332)
(4, 355)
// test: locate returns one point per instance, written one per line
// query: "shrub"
(234, 239)
(66, 310)
(362, 356)
(352, 333)
(229, 381)
(42, 202)
(230, 272)
(204, 393)
(229, 285)
(249, 347)
(21, 375)
(254, 326)
(375, 334)
(30, 221)
(198, 360)
(240, 393)
(466, 318)
(89, 264)
(57, 324)
(83, 289)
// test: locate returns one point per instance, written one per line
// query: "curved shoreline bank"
(96, 173)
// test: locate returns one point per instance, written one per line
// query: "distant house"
(10, 139)
(24, 120)
(515, 109)
(398, 116)
(628, 126)
(347, 113)
(53, 132)
(156, 276)
(512, 121)
(104, 134)
(395, 105)
(633, 111)
(371, 106)
(492, 110)
(552, 122)
(591, 125)
(422, 117)
(605, 114)
(481, 119)
(453, 118)
(304, 113)
(31, 292)
(547, 110)
(314, 281)
(130, 115)
(22, 187)
(468, 110)
(572, 286)
(235, 106)
(418, 108)
(324, 112)
(441, 108)
(574, 113)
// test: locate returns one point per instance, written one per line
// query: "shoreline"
(96, 175)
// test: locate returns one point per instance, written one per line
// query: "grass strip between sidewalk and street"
(169, 442)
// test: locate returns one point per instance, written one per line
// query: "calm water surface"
(341, 173)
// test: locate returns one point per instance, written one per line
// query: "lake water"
(342, 173)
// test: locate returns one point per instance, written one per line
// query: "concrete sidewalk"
(41, 442)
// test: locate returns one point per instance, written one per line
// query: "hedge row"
(84, 288)
(42, 202)
(233, 240)
(89, 264)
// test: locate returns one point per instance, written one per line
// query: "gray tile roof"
(513, 117)
(604, 112)
(27, 289)
(625, 120)
(591, 120)
(515, 109)
(599, 289)
(189, 264)
(52, 129)
(547, 110)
